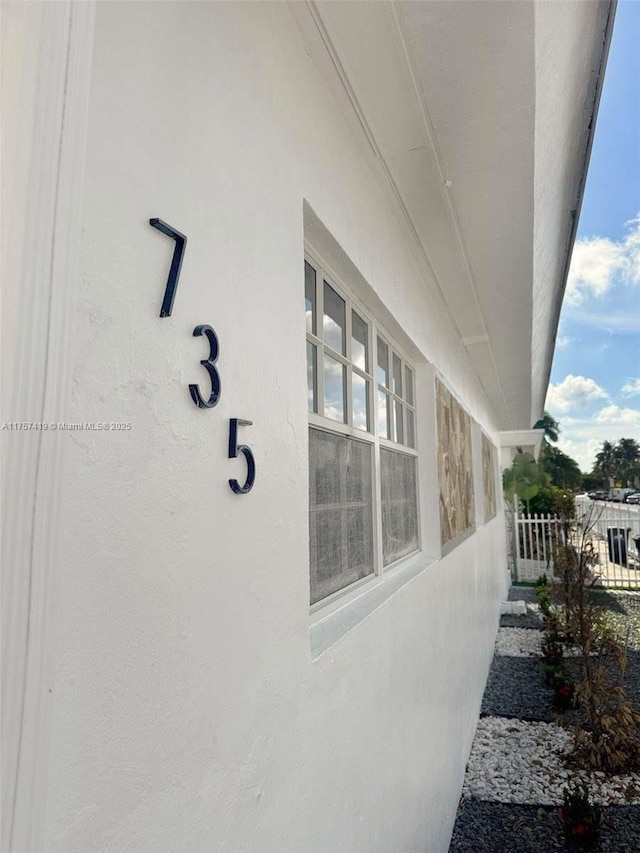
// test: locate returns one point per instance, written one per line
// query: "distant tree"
(627, 454)
(618, 461)
(593, 482)
(563, 471)
(550, 426)
(605, 461)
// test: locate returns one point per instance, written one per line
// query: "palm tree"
(627, 455)
(550, 426)
(605, 460)
(563, 470)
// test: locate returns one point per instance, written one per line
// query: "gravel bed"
(623, 607)
(624, 610)
(631, 680)
(532, 619)
(485, 827)
(525, 643)
(513, 761)
(516, 688)
(516, 772)
(518, 642)
(523, 593)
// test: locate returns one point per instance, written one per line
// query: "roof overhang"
(477, 116)
(517, 441)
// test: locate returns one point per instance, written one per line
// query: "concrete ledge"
(515, 608)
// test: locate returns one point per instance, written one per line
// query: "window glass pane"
(310, 296)
(408, 385)
(399, 505)
(359, 353)
(397, 375)
(334, 319)
(411, 432)
(399, 425)
(334, 388)
(383, 363)
(360, 396)
(383, 415)
(340, 512)
(312, 384)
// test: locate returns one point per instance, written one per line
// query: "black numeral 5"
(234, 449)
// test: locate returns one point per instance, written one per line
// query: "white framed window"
(363, 496)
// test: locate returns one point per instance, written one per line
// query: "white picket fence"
(533, 546)
(613, 529)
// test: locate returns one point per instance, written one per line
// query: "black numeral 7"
(176, 264)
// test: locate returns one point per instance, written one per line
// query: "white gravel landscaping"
(513, 761)
(524, 643)
(519, 642)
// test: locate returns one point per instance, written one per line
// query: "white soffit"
(572, 41)
(443, 96)
(522, 441)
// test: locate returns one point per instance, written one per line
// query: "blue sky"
(595, 380)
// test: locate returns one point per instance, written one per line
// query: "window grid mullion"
(320, 334)
(377, 491)
(344, 522)
(336, 356)
(347, 349)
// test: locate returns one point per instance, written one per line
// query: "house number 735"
(208, 363)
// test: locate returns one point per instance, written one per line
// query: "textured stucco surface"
(187, 712)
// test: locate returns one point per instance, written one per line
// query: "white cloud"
(574, 392)
(583, 449)
(612, 322)
(615, 415)
(597, 261)
(564, 341)
(581, 438)
(630, 388)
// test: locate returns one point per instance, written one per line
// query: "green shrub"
(551, 500)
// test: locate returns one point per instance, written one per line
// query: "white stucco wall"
(188, 713)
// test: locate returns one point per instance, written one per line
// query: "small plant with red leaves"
(580, 818)
(563, 691)
(552, 650)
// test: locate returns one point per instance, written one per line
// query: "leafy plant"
(523, 479)
(609, 737)
(580, 818)
(543, 594)
(544, 600)
(556, 672)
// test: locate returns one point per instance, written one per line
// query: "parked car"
(598, 496)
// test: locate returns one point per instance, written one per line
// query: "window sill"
(326, 628)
